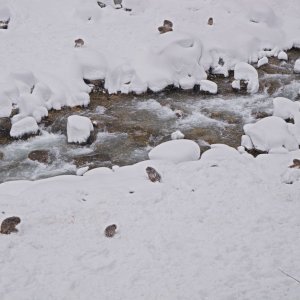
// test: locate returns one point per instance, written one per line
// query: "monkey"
(9, 225)
(153, 174)
(167, 26)
(296, 164)
(79, 43)
(110, 230)
(210, 21)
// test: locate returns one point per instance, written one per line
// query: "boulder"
(42, 156)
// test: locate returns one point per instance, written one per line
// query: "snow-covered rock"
(269, 133)
(79, 129)
(177, 135)
(282, 55)
(82, 171)
(244, 71)
(176, 151)
(297, 66)
(262, 61)
(26, 126)
(208, 86)
(246, 142)
(285, 108)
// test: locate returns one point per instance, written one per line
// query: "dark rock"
(1, 155)
(5, 126)
(4, 24)
(101, 4)
(42, 156)
(110, 230)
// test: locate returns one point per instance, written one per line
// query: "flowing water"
(129, 126)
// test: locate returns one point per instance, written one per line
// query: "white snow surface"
(244, 71)
(262, 61)
(125, 48)
(79, 129)
(176, 151)
(270, 133)
(208, 86)
(24, 126)
(285, 108)
(222, 227)
(297, 66)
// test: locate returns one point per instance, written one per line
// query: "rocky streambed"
(128, 126)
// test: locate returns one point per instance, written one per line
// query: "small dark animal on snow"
(9, 225)
(296, 164)
(79, 43)
(110, 230)
(153, 174)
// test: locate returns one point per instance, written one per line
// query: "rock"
(282, 55)
(42, 156)
(1, 155)
(177, 135)
(176, 151)
(5, 127)
(208, 86)
(9, 225)
(210, 21)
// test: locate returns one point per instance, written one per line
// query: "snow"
(282, 55)
(244, 71)
(130, 54)
(297, 66)
(208, 86)
(176, 151)
(79, 129)
(26, 126)
(262, 61)
(285, 108)
(221, 227)
(177, 135)
(82, 171)
(269, 133)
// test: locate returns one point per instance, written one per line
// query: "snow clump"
(176, 151)
(270, 133)
(79, 129)
(244, 71)
(26, 126)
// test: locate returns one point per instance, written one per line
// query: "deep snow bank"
(221, 227)
(41, 69)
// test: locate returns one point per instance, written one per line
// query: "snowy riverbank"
(221, 227)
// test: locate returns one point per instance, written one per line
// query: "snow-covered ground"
(222, 227)
(225, 226)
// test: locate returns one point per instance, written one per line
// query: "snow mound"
(282, 55)
(177, 135)
(244, 71)
(176, 151)
(23, 127)
(285, 108)
(79, 129)
(270, 133)
(208, 86)
(262, 61)
(297, 66)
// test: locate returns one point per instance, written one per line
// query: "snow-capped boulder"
(176, 151)
(79, 129)
(208, 86)
(282, 55)
(177, 135)
(244, 71)
(270, 133)
(297, 66)
(246, 142)
(285, 108)
(262, 61)
(24, 127)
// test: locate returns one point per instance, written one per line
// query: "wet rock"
(5, 127)
(93, 160)
(1, 155)
(42, 156)
(260, 114)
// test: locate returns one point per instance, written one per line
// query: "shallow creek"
(129, 126)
